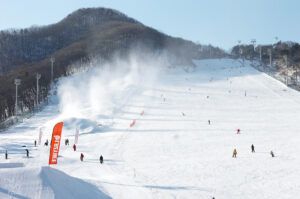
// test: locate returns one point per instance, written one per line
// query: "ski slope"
(171, 151)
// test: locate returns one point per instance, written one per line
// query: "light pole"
(253, 41)
(260, 53)
(17, 83)
(52, 60)
(270, 53)
(241, 53)
(239, 42)
(276, 39)
(296, 76)
(286, 60)
(38, 77)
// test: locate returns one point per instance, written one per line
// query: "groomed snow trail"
(171, 151)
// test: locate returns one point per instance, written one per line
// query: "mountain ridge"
(79, 37)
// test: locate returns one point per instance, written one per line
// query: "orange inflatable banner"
(55, 143)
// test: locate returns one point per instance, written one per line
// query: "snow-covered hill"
(171, 151)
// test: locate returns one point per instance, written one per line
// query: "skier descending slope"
(74, 147)
(272, 154)
(252, 148)
(234, 153)
(27, 153)
(81, 157)
(67, 142)
(101, 159)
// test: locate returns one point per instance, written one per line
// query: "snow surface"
(171, 151)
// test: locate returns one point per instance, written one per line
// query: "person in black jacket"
(252, 148)
(27, 153)
(101, 159)
(272, 154)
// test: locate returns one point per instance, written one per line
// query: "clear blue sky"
(217, 22)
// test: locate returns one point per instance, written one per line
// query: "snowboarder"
(34, 143)
(101, 159)
(238, 131)
(272, 154)
(46, 143)
(234, 153)
(74, 147)
(81, 157)
(27, 153)
(252, 148)
(6, 155)
(208, 122)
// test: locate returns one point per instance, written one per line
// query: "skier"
(238, 131)
(74, 147)
(46, 143)
(182, 113)
(81, 157)
(252, 148)
(234, 153)
(34, 143)
(208, 122)
(101, 159)
(272, 154)
(67, 142)
(6, 155)
(27, 153)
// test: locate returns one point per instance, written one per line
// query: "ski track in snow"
(171, 151)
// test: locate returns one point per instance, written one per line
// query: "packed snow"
(153, 131)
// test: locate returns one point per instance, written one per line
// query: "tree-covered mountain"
(82, 35)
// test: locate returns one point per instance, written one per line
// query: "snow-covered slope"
(171, 151)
